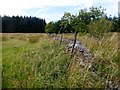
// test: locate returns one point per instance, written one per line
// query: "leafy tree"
(49, 27)
(86, 16)
(80, 22)
(65, 22)
(57, 27)
(115, 24)
(53, 27)
(97, 13)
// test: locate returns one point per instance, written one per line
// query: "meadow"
(38, 61)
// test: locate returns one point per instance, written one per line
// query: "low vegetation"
(44, 62)
(33, 39)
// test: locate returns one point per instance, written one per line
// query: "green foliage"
(19, 24)
(115, 24)
(99, 27)
(49, 27)
(65, 22)
(53, 27)
(84, 16)
(83, 21)
(97, 12)
(57, 27)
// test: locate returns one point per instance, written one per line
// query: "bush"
(33, 39)
(100, 27)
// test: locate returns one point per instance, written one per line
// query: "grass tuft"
(33, 39)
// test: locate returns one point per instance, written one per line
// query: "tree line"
(93, 21)
(20, 24)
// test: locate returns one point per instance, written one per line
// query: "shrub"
(100, 27)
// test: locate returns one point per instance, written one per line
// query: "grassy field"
(37, 61)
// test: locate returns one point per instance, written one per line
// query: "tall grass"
(105, 61)
(44, 64)
(25, 65)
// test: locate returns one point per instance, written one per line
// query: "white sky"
(20, 7)
(42, 3)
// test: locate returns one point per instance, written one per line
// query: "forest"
(20, 24)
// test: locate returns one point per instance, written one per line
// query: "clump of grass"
(22, 38)
(33, 39)
(4, 38)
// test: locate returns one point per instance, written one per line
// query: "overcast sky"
(52, 10)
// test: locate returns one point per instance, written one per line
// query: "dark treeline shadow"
(20, 24)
